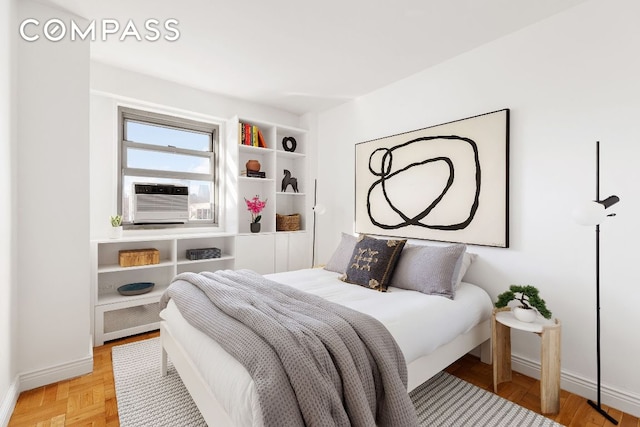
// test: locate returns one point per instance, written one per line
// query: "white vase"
(116, 232)
(525, 314)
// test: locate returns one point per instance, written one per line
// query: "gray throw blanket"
(313, 362)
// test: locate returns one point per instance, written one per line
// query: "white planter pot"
(524, 314)
(115, 233)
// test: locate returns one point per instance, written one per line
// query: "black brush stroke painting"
(447, 182)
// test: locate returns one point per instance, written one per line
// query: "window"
(160, 149)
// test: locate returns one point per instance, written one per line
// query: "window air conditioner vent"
(155, 203)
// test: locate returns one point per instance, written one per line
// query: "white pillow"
(467, 259)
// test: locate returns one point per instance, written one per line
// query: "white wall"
(114, 86)
(569, 80)
(8, 283)
(53, 205)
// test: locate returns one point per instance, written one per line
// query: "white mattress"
(419, 323)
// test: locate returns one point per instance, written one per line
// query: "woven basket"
(287, 222)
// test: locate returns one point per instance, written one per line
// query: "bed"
(431, 331)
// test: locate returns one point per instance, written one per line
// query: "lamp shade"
(593, 213)
(319, 209)
(589, 213)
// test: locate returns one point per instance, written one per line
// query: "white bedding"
(419, 323)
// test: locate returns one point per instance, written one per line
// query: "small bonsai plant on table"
(529, 300)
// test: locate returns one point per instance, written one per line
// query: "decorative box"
(134, 257)
(204, 253)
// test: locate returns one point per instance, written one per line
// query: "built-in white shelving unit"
(115, 315)
(274, 159)
(270, 250)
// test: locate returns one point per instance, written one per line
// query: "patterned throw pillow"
(372, 262)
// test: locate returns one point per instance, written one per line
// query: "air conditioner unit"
(160, 203)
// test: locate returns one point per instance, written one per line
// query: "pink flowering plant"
(255, 206)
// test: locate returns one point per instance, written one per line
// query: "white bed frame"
(420, 370)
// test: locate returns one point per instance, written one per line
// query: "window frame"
(163, 120)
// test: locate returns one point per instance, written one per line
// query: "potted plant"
(116, 226)
(255, 206)
(529, 301)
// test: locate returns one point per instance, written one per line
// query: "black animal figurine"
(289, 180)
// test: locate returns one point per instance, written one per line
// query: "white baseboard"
(41, 377)
(9, 402)
(621, 400)
(53, 374)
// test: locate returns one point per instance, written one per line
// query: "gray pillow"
(429, 269)
(342, 255)
(373, 261)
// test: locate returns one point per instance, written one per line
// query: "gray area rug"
(145, 398)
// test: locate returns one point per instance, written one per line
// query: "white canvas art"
(447, 182)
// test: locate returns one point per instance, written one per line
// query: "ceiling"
(303, 55)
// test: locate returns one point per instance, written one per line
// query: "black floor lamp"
(317, 210)
(593, 213)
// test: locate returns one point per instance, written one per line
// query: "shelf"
(289, 154)
(108, 336)
(252, 179)
(113, 297)
(185, 261)
(280, 193)
(256, 234)
(292, 129)
(116, 267)
(252, 149)
(135, 236)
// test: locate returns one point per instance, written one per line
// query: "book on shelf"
(261, 142)
(256, 174)
(250, 135)
(247, 134)
(244, 134)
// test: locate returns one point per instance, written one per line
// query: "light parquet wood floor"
(525, 391)
(90, 400)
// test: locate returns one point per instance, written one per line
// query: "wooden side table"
(502, 321)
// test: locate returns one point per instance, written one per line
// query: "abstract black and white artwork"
(448, 182)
